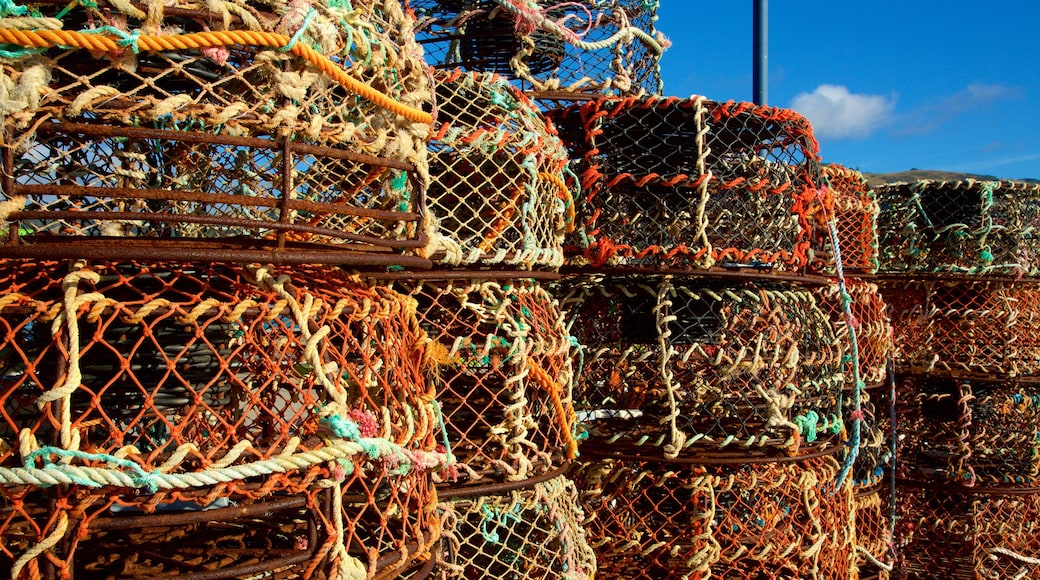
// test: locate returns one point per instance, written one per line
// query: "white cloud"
(836, 112)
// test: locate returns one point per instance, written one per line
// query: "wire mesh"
(691, 183)
(856, 214)
(497, 184)
(531, 532)
(962, 227)
(701, 366)
(870, 321)
(243, 148)
(585, 46)
(652, 519)
(965, 328)
(874, 459)
(504, 376)
(873, 532)
(966, 535)
(969, 433)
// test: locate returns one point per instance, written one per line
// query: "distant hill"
(876, 179)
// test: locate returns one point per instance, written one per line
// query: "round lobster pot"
(871, 325)
(215, 144)
(556, 49)
(692, 367)
(966, 534)
(186, 367)
(503, 378)
(986, 329)
(652, 519)
(960, 227)
(691, 184)
(873, 532)
(855, 214)
(969, 433)
(532, 531)
(497, 192)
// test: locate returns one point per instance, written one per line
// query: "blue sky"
(889, 85)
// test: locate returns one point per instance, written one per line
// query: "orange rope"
(72, 39)
(565, 417)
(565, 196)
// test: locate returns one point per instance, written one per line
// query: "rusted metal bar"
(439, 275)
(476, 491)
(159, 520)
(708, 458)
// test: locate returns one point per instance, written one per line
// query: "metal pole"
(760, 48)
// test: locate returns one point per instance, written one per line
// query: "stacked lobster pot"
(961, 281)
(713, 378)
(499, 204)
(190, 384)
(859, 315)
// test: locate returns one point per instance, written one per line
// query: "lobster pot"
(969, 433)
(855, 214)
(686, 367)
(361, 519)
(185, 368)
(237, 150)
(586, 46)
(874, 459)
(965, 328)
(873, 532)
(962, 227)
(692, 184)
(503, 376)
(651, 519)
(869, 318)
(497, 192)
(534, 531)
(966, 535)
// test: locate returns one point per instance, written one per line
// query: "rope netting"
(497, 191)
(651, 519)
(705, 366)
(584, 46)
(969, 432)
(532, 532)
(965, 328)
(874, 456)
(692, 183)
(964, 227)
(873, 532)
(967, 535)
(856, 213)
(870, 319)
(281, 123)
(504, 374)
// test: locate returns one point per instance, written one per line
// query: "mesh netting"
(535, 532)
(872, 327)
(973, 227)
(694, 183)
(653, 520)
(711, 364)
(497, 191)
(856, 215)
(504, 375)
(969, 433)
(874, 459)
(965, 328)
(967, 536)
(588, 45)
(167, 130)
(873, 531)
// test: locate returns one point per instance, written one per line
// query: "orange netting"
(964, 227)
(969, 432)
(856, 215)
(691, 183)
(871, 323)
(651, 519)
(967, 536)
(965, 328)
(503, 378)
(874, 459)
(497, 190)
(214, 134)
(587, 45)
(873, 532)
(531, 532)
(705, 365)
